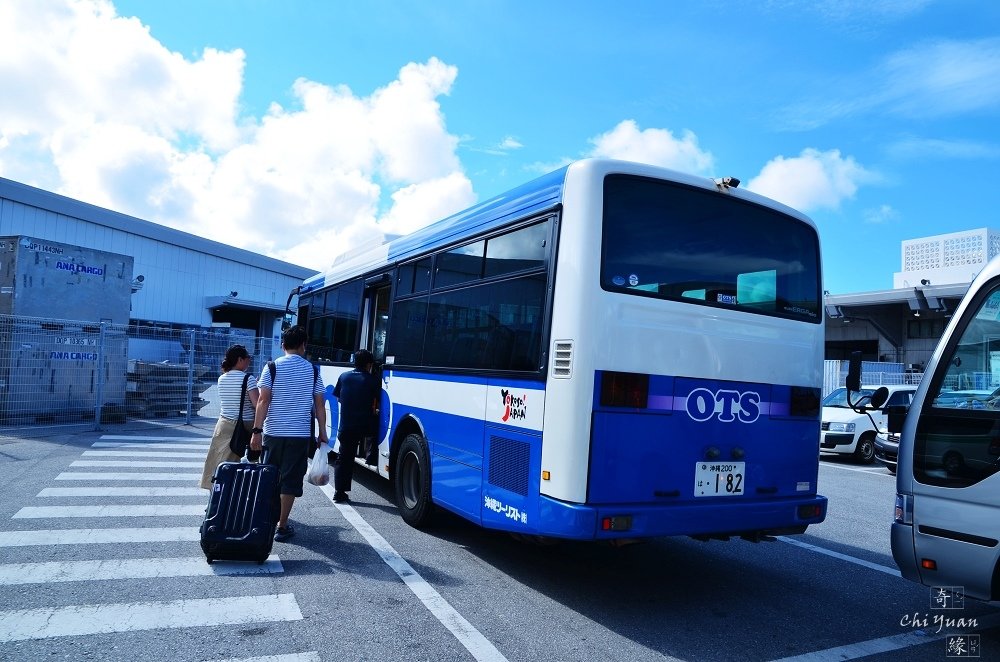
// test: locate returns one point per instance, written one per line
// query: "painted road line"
(876, 471)
(135, 437)
(311, 656)
(479, 646)
(843, 557)
(144, 444)
(72, 621)
(123, 491)
(76, 475)
(892, 643)
(98, 536)
(109, 569)
(164, 510)
(128, 463)
(142, 454)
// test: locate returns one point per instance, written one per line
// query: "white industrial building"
(178, 279)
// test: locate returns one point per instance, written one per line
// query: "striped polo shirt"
(230, 386)
(290, 412)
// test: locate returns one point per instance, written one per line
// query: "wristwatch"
(256, 430)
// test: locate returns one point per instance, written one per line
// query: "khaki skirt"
(218, 451)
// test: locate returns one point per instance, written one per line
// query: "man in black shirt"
(358, 393)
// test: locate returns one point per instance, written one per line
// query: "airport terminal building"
(904, 324)
(73, 254)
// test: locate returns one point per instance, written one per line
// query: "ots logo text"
(514, 407)
(727, 406)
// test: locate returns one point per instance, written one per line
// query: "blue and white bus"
(613, 350)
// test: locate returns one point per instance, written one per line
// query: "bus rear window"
(676, 242)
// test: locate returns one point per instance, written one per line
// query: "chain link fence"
(104, 375)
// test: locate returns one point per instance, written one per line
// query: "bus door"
(375, 324)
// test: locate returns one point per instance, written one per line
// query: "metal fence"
(100, 374)
(873, 373)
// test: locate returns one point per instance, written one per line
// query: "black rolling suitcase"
(242, 512)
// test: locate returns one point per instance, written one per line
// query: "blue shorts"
(291, 456)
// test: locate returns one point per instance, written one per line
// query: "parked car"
(887, 449)
(845, 431)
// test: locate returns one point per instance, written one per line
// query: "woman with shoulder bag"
(236, 385)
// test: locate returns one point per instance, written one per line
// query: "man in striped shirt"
(283, 419)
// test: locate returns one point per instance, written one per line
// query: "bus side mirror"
(895, 415)
(878, 398)
(854, 372)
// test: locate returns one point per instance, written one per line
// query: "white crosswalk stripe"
(153, 491)
(47, 537)
(78, 475)
(144, 458)
(23, 624)
(141, 454)
(82, 571)
(160, 510)
(147, 444)
(134, 437)
(311, 656)
(136, 463)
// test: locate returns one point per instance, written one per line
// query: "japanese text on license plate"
(718, 478)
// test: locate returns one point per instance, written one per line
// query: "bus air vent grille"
(509, 462)
(562, 366)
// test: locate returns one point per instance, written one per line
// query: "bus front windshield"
(672, 241)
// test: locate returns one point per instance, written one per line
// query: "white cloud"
(653, 146)
(936, 148)
(67, 61)
(418, 205)
(943, 78)
(813, 180)
(880, 214)
(97, 109)
(932, 79)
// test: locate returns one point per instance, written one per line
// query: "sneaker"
(341, 497)
(284, 533)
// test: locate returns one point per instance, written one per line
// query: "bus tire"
(413, 482)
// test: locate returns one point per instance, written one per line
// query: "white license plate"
(719, 478)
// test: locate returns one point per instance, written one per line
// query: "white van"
(946, 531)
(845, 431)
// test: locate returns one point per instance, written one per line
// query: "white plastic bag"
(318, 472)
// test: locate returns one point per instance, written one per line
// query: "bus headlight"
(842, 427)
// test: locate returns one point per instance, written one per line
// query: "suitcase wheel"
(209, 559)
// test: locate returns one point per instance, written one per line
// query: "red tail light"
(624, 389)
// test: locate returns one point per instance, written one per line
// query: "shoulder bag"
(240, 441)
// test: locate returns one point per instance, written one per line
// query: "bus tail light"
(928, 564)
(810, 512)
(624, 389)
(904, 509)
(616, 523)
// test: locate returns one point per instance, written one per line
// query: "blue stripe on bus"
(669, 394)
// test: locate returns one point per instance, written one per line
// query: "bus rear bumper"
(719, 518)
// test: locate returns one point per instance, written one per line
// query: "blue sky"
(301, 129)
